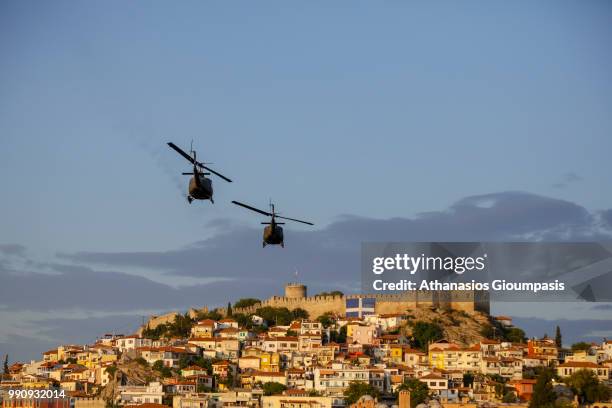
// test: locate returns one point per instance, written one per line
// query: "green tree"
(338, 336)
(246, 302)
(165, 372)
(299, 314)
(185, 361)
(581, 346)
(468, 379)
(205, 363)
(358, 389)
(212, 315)
(273, 388)
(280, 315)
(495, 330)
(497, 378)
(202, 388)
(326, 320)
(332, 293)
(156, 333)
(500, 390)
(158, 365)
(162, 369)
(229, 309)
(418, 391)
(543, 394)
(424, 332)
(514, 334)
(533, 373)
(275, 315)
(586, 386)
(558, 338)
(509, 397)
(181, 327)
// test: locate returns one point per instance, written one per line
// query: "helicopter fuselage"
(200, 187)
(273, 232)
(273, 235)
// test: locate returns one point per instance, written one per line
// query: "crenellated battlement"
(385, 303)
(467, 301)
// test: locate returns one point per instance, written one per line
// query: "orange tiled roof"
(583, 364)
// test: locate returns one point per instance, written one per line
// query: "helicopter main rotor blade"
(195, 162)
(252, 208)
(182, 153)
(293, 219)
(215, 173)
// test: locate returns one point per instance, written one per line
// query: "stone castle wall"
(314, 305)
(155, 321)
(318, 305)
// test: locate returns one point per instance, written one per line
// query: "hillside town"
(281, 358)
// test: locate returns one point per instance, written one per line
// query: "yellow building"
(269, 361)
(50, 355)
(350, 326)
(445, 357)
(93, 359)
(436, 358)
(396, 353)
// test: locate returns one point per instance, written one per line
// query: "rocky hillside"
(458, 327)
(129, 372)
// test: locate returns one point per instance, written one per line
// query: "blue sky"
(375, 110)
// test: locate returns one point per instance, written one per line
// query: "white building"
(141, 394)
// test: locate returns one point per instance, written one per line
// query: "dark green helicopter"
(200, 186)
(273, 232)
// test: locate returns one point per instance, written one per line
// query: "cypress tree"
(558, 338)
(543, 394)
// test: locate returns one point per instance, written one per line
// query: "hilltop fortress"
(296, 296)
(358, 305)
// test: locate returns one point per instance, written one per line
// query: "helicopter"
(273, 233)
(200, 187)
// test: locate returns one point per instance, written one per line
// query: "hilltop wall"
(314, 305)
(317, 305)
(467, 301)
(155, 321)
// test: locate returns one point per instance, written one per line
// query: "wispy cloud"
(567, 179)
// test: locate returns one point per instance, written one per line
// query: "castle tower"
(295, 291)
